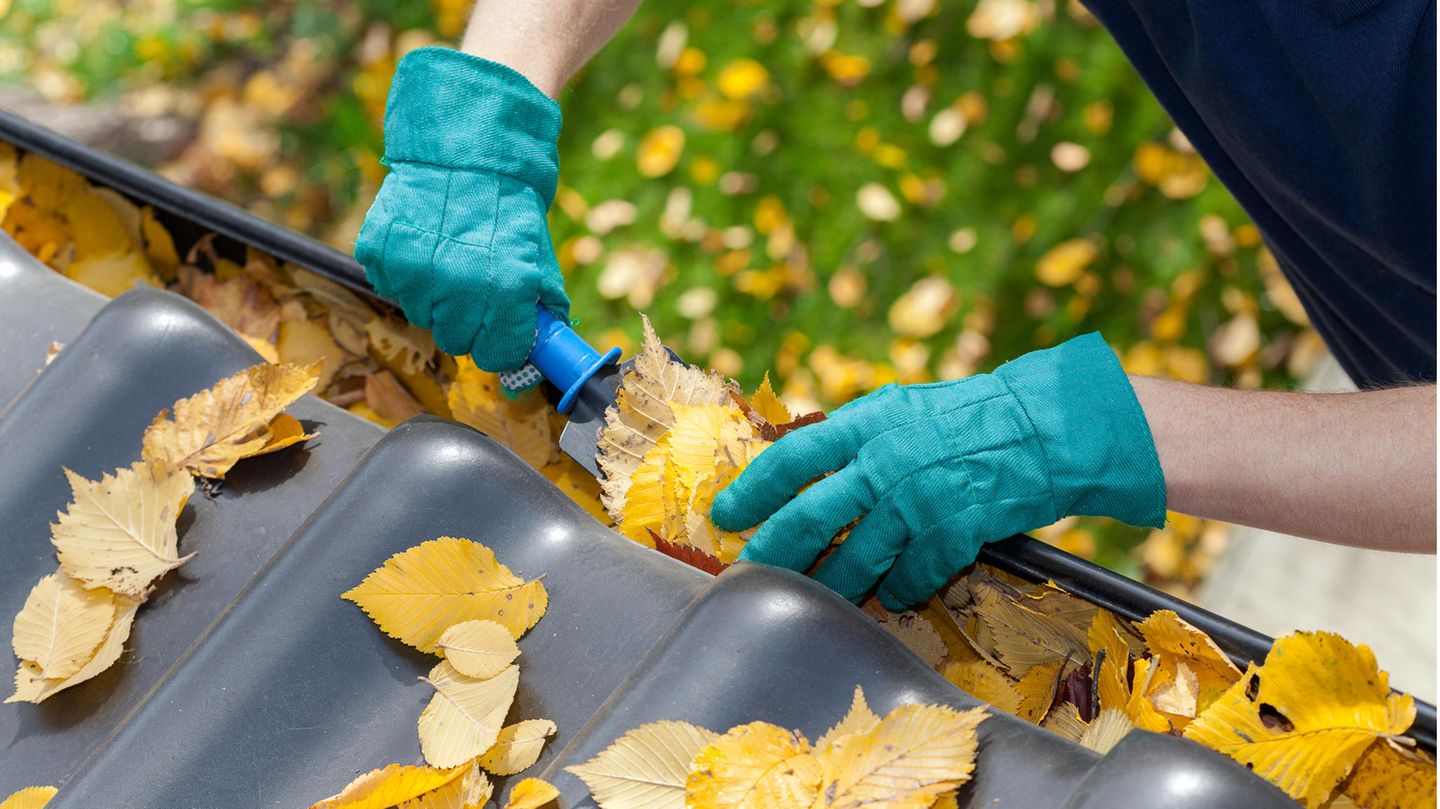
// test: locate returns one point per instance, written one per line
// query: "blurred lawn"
(843, 194)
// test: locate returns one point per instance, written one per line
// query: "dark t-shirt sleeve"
(1319, 116)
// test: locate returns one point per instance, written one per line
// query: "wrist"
(1099, 451)
(460, 111)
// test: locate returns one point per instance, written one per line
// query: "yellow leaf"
(1142, 710)
(1177, 697)
(50, 185)
(518, 746)
(478, 649)
(1172, 641)
(420, 592)
(644, 411)
(646, 768)
(1065, 262)
(61, 625)
(29, 797)
(1388, 776)
(1037, 691)
(470, 791)
(464, 717)
(98, 229)
(119, 532)
(859, 719)
(768, 406)
(285, 431)
(1108, 648)
(214, 429)
(1303, 718)
(579, 485)
(159, 245)
(916, 754)
(522, 425)
(1065, 722)
(754, 766)
(30, 686)
(1022, 637)
(112, 274)
(390, 786)
(984, 682)
(660, 150)
(305, 343)
(532, 793)
(1106, 731)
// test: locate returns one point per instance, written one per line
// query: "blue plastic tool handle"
(565, 359)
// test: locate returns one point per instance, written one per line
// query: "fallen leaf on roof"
(1303, 718)
(29, 798)
(420, 592)
(753, 766)
(478, 648)
(915, 755)
(1106, 731)
(470, 791)
(391, 786)
(532, 793)
(1388, 776)
(518, 747)
(859, 719)
(646, 768)
(308, 343)
(61, 625)
(32, 686)
(466, 714)
(119, 532)
(211, 431)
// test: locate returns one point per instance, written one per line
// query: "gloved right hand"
(457, 235)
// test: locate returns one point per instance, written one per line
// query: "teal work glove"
(938, 470)
(457, 235)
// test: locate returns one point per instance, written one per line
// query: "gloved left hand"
(457, 235)
(937, 470)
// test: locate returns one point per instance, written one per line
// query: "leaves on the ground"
(423, 591)
(472, 790)
(478, 648)
(1303, 718)
(391, 786)
(646, 768)
(32, 686)
(531, 793)
(29, 798)
(753, 766)
(214, 429)
(517, 747)
(119, 532)
(466, 714)
(916, 754)
(520, 423)
(1106, 731)
(61, 625)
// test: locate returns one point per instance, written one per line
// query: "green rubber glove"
(457, 235)
(938, 470)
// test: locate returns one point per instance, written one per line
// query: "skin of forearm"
(546, 41)
(1350, 468)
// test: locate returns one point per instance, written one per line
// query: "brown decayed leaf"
(240, 303)
(30, 686)
(517, 747)
(386, 396)
(646, 768)
(479, 649)
(466, 714)
(754, 766)
(214, 429)
(917, 633)
(29, 798)
(390, 786)
(422, 591)
(531, 793)
(410, 346)
(1304, 718)
(61, 625)
(119, 532)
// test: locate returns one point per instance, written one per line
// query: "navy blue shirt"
(1319, 116)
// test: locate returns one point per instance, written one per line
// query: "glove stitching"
(1044, 452)
(478, 169)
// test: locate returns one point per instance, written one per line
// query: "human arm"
(546, 41)
(1352, 468)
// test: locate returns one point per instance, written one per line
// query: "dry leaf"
(119, 532)
(386, 396)
(307, 343)
(1106, 731)
(478, 649)
(768, 406)
(1303, 718)
(532, 793)
(916, 632)
(30, 686)
(390, 786)
(1036, 691)
(754, 766)
(61, 625)
(29, 798)
(1020, 636)
(646, 768)
(470, 791)
(1065, 722)
(859, 719)
(285, 430)
(1178, 696)
(1172, 641)
(464, 717)
(916, 754)
(521, 424)
(420, 592)
(518, 746)
(214, 429)
(984, 682)
(579, 485)
(1388, 776)
(240, 303)
(407, 345)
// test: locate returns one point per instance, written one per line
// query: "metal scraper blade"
(581, 436)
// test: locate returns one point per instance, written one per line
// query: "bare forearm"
(1352, 468)
(547, 41)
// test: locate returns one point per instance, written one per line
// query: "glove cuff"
(1097, 442)
(451, 109)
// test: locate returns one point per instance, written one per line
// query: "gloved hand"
(457, 235)
(937, 470)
